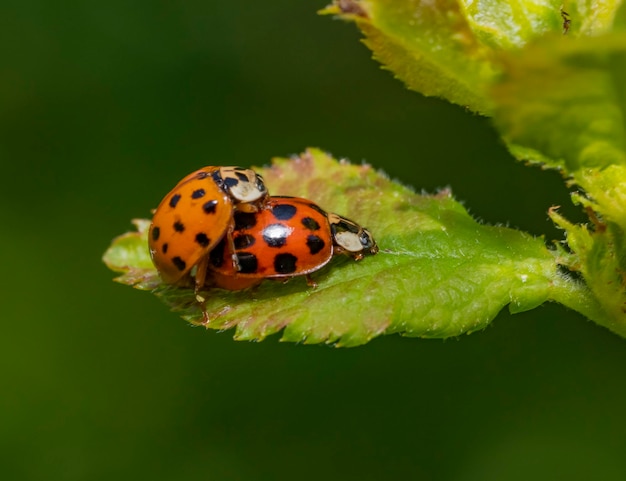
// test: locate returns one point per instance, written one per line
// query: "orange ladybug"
(196, 215)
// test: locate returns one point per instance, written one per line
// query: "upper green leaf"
(505, 25)
(555, 81)
(564, 97)
(457, 49)
(428, 45)
(562, 102)
(438, 274)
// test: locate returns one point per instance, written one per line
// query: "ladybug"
(350, 238)
(196, 215)
(289, 237)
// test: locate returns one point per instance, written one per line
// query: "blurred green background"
(104, 106)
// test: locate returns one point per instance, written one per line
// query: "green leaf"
(562, 103)
(452, 49)
(564, 98)
(595, 253)
(129, 254)
(428, 45)
(505, 25)
(438, 274)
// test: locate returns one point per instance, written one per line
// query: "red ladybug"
(289, 236)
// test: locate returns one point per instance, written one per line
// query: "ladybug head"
(244, 185)
(351, 238)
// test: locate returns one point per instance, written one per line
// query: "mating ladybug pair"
(219, 227)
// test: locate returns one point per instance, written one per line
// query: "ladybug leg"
(205, 315)
(310, 282)
(338, 250)
(357, 256)
(231, 249)
(201, 273)
(201, 277)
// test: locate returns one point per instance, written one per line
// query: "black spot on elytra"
(156, 232)
(198, 194)
(315, 244)
(248, 263)
(180, 264)
(243, 241)
(310, 223)
(210, 206)
(275, 235)
(179, 226)
(245, 220)
(202, 239)
(174, 200)
(285, 263)
(216, 256)
(284, 211)
(165, 247)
